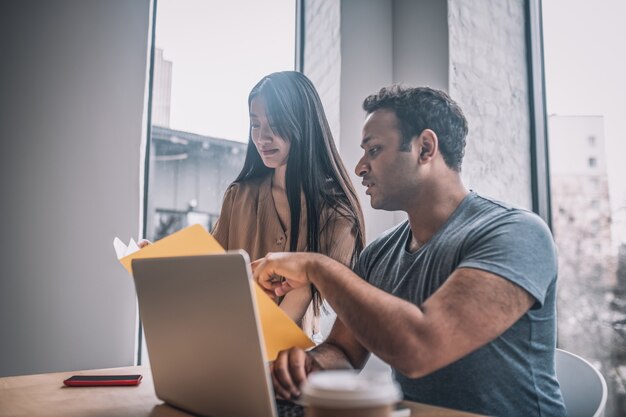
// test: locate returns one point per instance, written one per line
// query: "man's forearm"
(330, 356)
(381, 322)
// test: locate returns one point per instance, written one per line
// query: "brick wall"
(488, 78)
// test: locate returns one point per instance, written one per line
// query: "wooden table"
(45, 395)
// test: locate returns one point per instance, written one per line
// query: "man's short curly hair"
(425, 108)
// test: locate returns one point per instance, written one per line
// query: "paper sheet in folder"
(279, 331)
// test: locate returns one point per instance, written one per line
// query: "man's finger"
(282, 373)
(262, 274)
(297, 367)
(279, 391)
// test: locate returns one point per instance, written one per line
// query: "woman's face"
(274, 150)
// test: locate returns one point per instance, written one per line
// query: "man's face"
(389, 174)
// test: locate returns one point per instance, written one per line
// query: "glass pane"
(209, 55)
(586, 96)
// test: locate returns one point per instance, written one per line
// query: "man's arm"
(472, 308)
(340, 351)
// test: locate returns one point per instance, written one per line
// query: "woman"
(293, 193)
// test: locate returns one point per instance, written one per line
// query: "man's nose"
(361, 167)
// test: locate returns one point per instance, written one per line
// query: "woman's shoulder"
(335, 206)
(246, 189)
(336, 217)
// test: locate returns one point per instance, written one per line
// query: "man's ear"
(428, 145)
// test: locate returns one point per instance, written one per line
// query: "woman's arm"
(221, 228)
(296, 303)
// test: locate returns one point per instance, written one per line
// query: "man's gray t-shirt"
(514, 374)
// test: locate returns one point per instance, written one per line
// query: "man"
(459, 300)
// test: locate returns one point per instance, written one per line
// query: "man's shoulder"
(497, 210)
(382, 250)
(494, 203)
(390, 236)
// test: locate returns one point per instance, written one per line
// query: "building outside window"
(587, 145)
(208, 56)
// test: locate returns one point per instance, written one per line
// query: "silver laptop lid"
(203, 334)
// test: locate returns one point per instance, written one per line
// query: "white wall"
(366, 65)
(420, 43)
(489, 80)
(386, 42)
(475, 51)
(71, 108)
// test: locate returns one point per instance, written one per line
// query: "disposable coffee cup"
(349, 394)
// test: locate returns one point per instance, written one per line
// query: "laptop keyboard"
(289, 409)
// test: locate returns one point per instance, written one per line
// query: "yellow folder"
(279, 331)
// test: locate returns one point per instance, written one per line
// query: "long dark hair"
(314, 167)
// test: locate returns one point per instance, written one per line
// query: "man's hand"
(290, 370)
(293, 267)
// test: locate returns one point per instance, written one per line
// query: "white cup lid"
(349, 389)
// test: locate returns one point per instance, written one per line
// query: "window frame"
(539, 156)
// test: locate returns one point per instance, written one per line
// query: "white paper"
(122, 250)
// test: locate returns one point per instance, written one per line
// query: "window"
(592, 141)
(595, 226)
(208, 56)
(590, 231)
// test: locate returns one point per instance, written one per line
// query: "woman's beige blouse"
(249, 221)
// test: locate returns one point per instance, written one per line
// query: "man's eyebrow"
(253, 115)
(365, 140)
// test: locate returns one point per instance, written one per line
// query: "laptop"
(204, 337)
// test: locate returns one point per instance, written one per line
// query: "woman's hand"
(143, 243)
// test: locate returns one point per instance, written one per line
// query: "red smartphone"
(102, 380)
